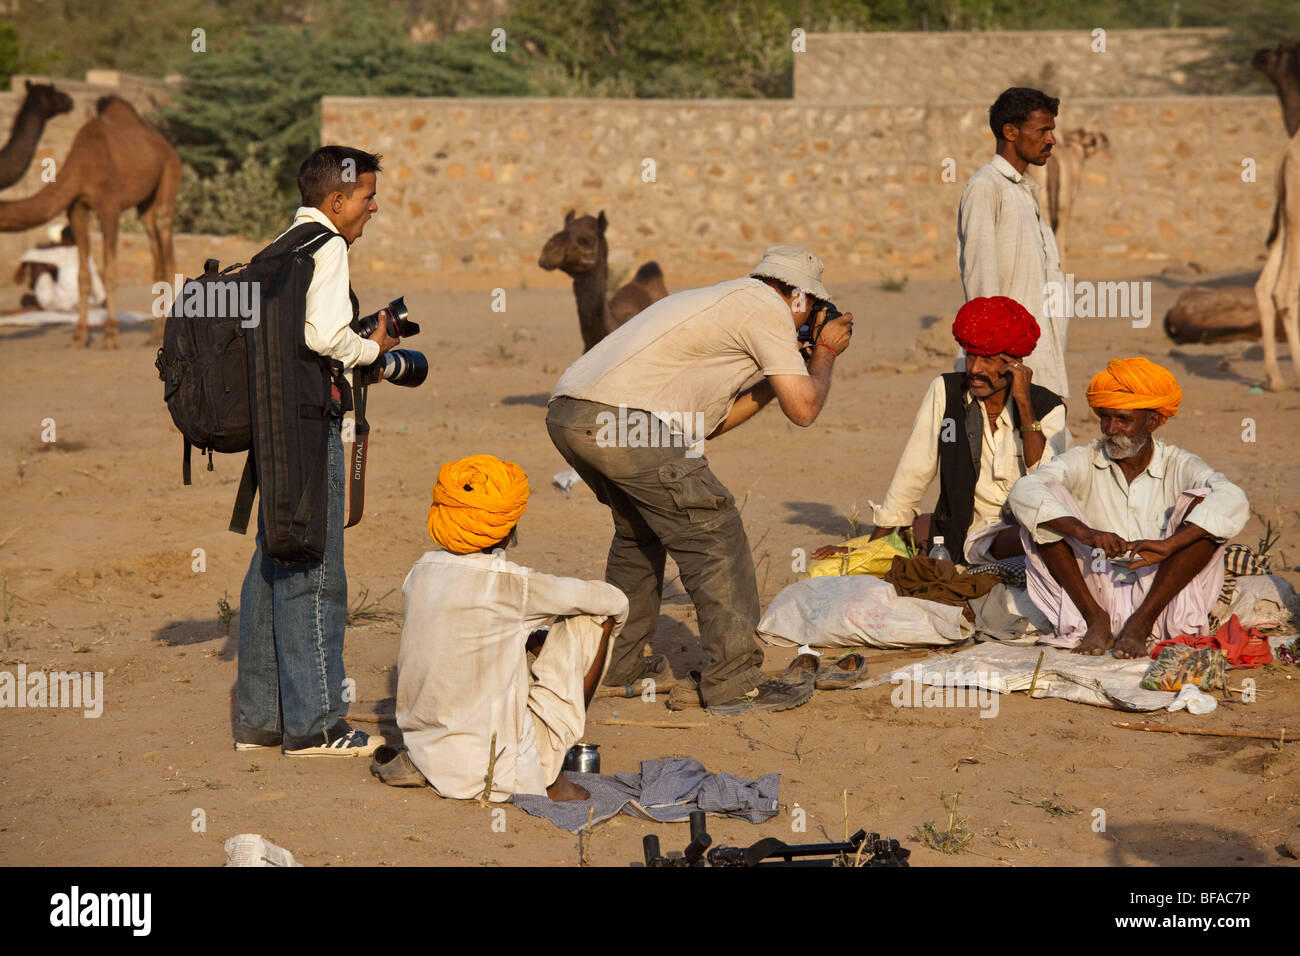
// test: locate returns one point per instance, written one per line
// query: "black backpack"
(204, 364)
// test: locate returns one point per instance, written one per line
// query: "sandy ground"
(98, 532)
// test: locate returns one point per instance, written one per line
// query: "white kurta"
(463, 671)
(1133, 511)
(1002, 463)
(1004, 247)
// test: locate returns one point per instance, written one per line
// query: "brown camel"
(1282, 65)
(580, 250)
(42, 104)
(1061, 175)
(117, 160)
(1277, 292)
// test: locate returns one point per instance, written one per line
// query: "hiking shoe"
(778, 694)
(355, 743)
(654, 666)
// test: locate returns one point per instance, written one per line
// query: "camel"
(580, 250)
(42, 103)
(1282, 65)
(1277, 292)
(117, 160)
(1060, 177)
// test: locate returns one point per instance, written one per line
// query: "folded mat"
(664, 790)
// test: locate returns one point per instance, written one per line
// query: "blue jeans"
(291, 621)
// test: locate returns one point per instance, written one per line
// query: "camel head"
(1092, 141)
(49, 101)
(1280, 64)
(579, 247)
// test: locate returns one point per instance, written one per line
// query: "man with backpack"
(292, 616)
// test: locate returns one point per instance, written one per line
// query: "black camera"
(399, 366)
(822, 313)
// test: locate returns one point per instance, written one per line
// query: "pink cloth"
(1120, 593)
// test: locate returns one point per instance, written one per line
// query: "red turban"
(995, 324)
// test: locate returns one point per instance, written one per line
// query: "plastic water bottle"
(938, 552)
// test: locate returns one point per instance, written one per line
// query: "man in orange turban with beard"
(476, 660)
(1124, 536)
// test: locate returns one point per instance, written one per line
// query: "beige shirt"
(462, 667)
(690, 354)
(329, 310)
(1005, 247)
(1002, 460)
(1134, 511)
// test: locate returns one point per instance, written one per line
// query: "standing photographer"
(628, 417)
(292, 617)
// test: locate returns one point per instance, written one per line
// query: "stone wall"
(930, 69)
(472, 188)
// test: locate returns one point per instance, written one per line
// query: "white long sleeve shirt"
(462, 666)
(1002, 460)
(1005, 247)
(329, 309)
(1135, 511)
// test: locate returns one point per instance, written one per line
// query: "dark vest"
(959, 459)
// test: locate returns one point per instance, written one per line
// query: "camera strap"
(357, 460)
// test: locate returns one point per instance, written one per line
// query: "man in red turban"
(1124, 537)
(979, 431)
(497, 662)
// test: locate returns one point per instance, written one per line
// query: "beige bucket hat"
(795, 266)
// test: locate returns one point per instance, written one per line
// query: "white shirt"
(67, 261)
(1004, 247)
(1134, 511)
(462, 667)
(329, 310)
(1002, 460)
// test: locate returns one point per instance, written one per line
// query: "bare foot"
(565, 789)
(1132, 643)
(1097, 640)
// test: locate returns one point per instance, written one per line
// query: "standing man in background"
(1004, 247)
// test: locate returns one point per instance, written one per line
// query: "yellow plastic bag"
(865, 557)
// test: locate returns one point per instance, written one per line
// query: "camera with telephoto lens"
(400, 366)
(822, 313)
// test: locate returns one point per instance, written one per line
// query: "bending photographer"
(292, 617)
(629, 416)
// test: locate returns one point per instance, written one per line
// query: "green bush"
(243, 200)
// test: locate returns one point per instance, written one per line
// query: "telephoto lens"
(405, 367)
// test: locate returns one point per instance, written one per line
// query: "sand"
(97, 545)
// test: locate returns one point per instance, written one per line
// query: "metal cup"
(583, 758)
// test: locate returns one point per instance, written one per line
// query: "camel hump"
(104, 102)
(649, 272)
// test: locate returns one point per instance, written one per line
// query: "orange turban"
(476, 502)
(990, 325)
(1136, 383)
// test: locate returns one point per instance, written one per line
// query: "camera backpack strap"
(357, 461)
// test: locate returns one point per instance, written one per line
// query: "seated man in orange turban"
(1125, 536)
(466, 669)
(978, 432)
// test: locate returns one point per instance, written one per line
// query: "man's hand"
(829, 551)
(381, 335)
(1148, 551)
(1021, 378)
(837, 332)
(1112, 545)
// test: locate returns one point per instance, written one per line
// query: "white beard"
(1121, 447)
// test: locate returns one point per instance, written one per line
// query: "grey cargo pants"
(666, 503)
